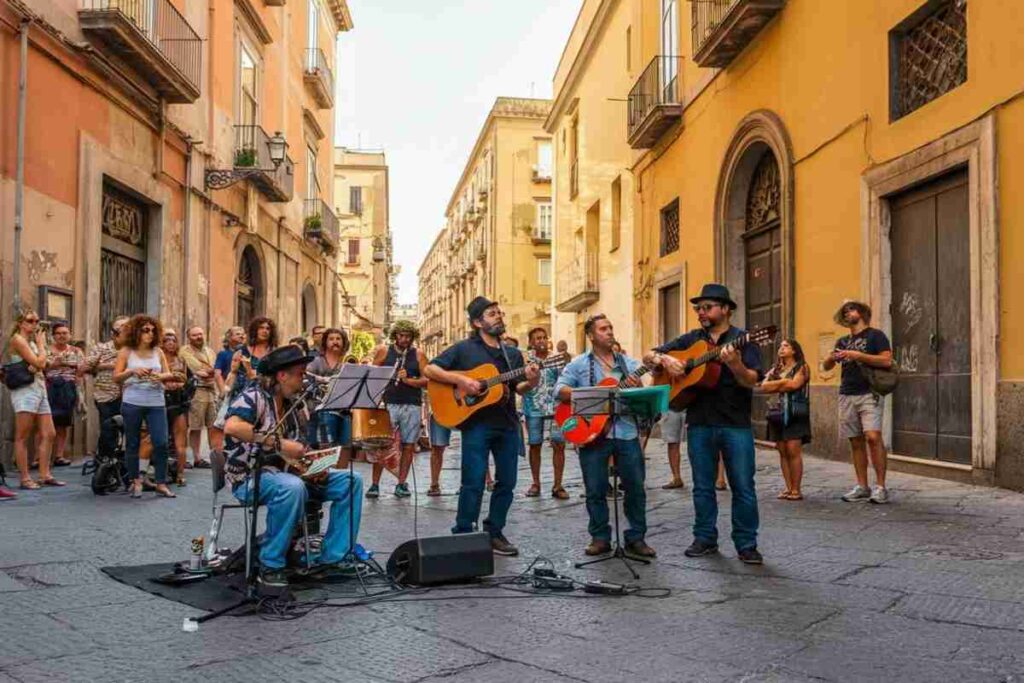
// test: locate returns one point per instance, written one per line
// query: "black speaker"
(442, 559)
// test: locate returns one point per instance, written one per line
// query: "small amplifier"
(442, 559)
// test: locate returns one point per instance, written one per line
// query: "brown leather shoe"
(598, 547)
(640, 549)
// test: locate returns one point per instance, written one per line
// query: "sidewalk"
(928, 588)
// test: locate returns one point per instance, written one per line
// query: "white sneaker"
(857, 494)
(879, 495)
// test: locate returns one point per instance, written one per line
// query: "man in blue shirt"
(621, 441)
(492, 430)
(719, 421)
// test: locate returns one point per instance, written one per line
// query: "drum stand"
(603, 402)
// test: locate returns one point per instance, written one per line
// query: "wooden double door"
(931, 320)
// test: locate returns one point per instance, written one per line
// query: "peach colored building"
(149, 181)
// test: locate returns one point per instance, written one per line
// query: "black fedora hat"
(715, 292)
(282, 358)
(477, 306)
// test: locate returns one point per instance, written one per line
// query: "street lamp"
(378, 251)
(277, 147)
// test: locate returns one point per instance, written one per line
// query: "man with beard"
(404, 399)
(253, 413)
(719, 421)
(620, 444)
(202, 412)
(491, 430)
(860, 411)
(331, 428)
(539, 409)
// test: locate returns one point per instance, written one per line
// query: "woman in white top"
(141, 369)
(32, 410)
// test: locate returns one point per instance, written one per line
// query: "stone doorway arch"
(754, 223)
(309, 316)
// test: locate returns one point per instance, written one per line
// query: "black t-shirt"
(468, 354)
(728, 404)
(870, 341)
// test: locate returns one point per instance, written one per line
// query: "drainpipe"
(186, 234)
(19, 186)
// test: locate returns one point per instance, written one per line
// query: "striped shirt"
(105, 388)
(256, 406)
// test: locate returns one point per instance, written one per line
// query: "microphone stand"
(252, 596)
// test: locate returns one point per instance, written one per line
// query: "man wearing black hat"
(250, 418)
(719, 421)
(492, 430)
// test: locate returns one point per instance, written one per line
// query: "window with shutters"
(355, 200)
(353, 253)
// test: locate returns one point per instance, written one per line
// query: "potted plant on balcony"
(313, 224)
(245, 157)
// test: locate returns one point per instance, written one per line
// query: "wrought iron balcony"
(320, 224)
(578, 284)
(721, 29)
(541, 234)
(153, 38)
(655, 101)
(252, 152)
(319, 77)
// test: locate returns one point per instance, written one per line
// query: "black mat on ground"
(213, 593)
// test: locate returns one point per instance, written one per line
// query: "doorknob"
(933, 343)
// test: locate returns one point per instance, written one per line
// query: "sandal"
(675, 484)
(783, 496)
(795, 496)
(163, 491)
(180, 480)
(30, 485)
(434, 490)
(533, 491)
(61, 462)
(137, 489)
(50, 481)
(560, 493)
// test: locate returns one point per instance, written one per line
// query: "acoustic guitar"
(581, 430)
(451, 407)
(703, 368)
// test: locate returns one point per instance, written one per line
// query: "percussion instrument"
(313, 465)
(371, 429)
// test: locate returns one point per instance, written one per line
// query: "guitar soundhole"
(471, 400)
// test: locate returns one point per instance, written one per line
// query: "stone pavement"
(929, 588)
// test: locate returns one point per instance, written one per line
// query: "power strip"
(604, 588)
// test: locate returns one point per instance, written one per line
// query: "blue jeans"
(156, 423)
(328, 429)
(629, 460)
(477, 443)
(737, 447)
(285, 497)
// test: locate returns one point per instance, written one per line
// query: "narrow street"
(928, 588)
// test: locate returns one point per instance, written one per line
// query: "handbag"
(17, 375)
(883, 381)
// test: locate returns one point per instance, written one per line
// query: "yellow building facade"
(593, 186)
(498, 221)
(365, 267)
(434, 308)
(806, 152)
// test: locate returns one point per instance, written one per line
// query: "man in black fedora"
(250, 419)
(492, 430)
(718, 421)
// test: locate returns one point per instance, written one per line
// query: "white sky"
(417, 78)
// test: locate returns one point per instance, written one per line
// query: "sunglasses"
(704, 308)
(31, 321)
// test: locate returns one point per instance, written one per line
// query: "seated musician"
(250, 418)
(621, 440)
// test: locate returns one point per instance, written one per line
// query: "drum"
(371, 429)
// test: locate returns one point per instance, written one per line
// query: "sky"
(417, 78)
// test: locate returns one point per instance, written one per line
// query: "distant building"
(434, 293)
(408, 312)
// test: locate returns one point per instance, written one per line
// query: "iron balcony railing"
(316, 65)
(578, 284)
(708, 15)
(252, 150)
(658, 85)
(164, 26)
(320, 223)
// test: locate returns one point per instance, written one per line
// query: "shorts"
(859, 414)
(535, 431)
(439, 435)
(405, 417)
(673, 426)
(203, 410)
(31, 398)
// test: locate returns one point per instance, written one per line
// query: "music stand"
(357, 387)
(591, 402)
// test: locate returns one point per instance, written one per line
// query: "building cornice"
(591, 41)
(342, 15)
(255, 21)
(504, 107)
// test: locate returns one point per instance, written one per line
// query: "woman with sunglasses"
(176, 400)
(261, 340)
(141, 369)
(27, 343)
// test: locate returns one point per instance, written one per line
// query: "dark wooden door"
(762, 239)
(670, 302)
(931, 320)
(122, 257)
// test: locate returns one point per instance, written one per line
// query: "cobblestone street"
(928, 588)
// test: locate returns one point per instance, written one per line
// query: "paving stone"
(843, 662)
(992, 613)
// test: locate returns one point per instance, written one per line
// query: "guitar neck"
(514, 374)
(637, 374)
(716, 351)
